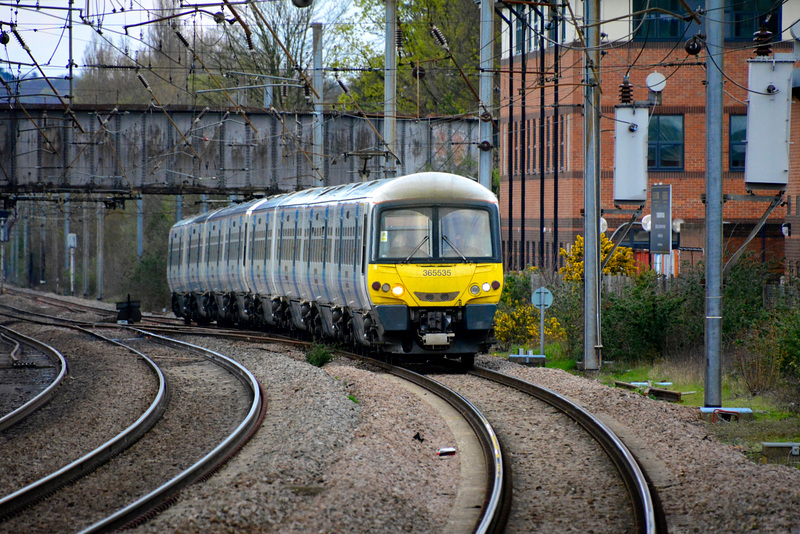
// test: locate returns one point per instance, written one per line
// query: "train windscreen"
(434, 233)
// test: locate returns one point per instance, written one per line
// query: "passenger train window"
(405, 233)
(464, 232)
(421, 233)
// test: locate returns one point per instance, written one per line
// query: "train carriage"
(409, 265)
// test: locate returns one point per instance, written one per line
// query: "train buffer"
(129, 311)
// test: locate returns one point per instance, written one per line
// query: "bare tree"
(186, 59)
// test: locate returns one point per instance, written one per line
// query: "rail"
(210, 461)
(23, 497)
(46, 394)
(498, 491)
(629, 469)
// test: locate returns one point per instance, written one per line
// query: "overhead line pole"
(486, 95)
(714, 202)
(592, 347)
(390, 87)
(316, 28)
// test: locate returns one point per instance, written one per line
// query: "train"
(408, 266)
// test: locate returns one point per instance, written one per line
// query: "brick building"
(541, 150)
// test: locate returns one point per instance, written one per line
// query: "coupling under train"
(408, 265)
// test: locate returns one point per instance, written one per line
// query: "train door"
(174, 261)
(256, 254)
(191, 261)
(213, 256)
(327, 246)
(270, 258)
(225, 231)
(304, 243)
(202, 263)
(236, 257)
(362, 291)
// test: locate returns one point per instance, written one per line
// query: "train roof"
(423, 186)
(432, 186)
(427, 186)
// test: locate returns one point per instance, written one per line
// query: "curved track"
(496, 506)
(12, 503)
(33, 492)
(497, 500)
(45, 395)
(642, 503)
(208, 463)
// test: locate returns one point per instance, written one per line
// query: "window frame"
(738, 143)
(660, 145)
(436, 238)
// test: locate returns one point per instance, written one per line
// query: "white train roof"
(423, 186)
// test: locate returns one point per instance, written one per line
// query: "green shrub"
(637, 324)
(318, 354)
(516, 289)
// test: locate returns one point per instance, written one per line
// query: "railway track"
(39, 380)
(552, 444)
(624, 489)
(180, 448)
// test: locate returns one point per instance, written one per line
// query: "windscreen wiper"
(444, 237)
(424, 240)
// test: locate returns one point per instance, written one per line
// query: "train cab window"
(405, 233)
(447, 233)
(464, 233)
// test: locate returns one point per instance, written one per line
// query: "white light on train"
(486, 286)
(398, 291)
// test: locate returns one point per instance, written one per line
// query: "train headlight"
(398, 291)
(486, 287)
(385, 288)
(474, 290)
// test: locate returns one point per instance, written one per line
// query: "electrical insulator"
(437, 34)
(284, 90)
(399, 37)
(762, 38)
(144, 82)
(625, 91)
(182, 39)
(19, 38)
(307, 92)
(4, 38)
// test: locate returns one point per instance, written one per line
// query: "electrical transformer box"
(768, 119)
(630, 155)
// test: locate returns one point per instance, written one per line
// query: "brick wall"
(684, 94)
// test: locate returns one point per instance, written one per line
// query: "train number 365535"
(436, 272)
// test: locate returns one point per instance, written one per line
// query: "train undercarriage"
(419, 333)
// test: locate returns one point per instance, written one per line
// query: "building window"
(665, 143)
(523, 31)
(743, 19)
(737, 142)
(651, 23)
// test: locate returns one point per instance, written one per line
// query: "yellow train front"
(434, 271)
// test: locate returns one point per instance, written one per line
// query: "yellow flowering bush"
(520, 326)
(621, 262)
